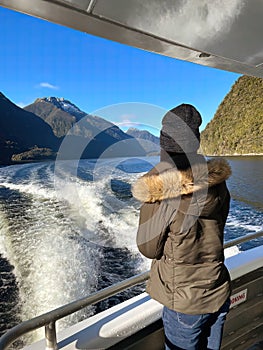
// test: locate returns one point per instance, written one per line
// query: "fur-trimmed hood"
(159, 185)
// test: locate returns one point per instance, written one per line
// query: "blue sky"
(40, 59)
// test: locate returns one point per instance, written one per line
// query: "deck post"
(51, 336)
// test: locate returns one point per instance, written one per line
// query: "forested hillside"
(237, 126)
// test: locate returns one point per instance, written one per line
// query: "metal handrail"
(49, 319)
(243, 239)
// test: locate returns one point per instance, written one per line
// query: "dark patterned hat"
(180, 130)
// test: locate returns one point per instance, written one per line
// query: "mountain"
(64, 105)
(237, 126)
(22, 131)
(59, 113)
(148, 141)
(87, 136)
(143, 134)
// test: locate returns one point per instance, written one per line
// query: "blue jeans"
(194, 332)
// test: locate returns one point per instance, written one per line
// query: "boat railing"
(48, 320)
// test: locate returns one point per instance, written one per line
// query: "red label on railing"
(238, 298)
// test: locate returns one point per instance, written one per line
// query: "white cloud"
(127, 118)
(127, 123)
(48, 86)
(21, 104)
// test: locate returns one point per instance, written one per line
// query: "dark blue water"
(246, 188)
(78, 221)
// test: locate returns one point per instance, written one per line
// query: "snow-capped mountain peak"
(65, 105)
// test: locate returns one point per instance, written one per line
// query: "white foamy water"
(55, 235)
(40, 238)
(249, 226)
(105, 219)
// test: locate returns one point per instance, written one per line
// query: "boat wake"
(63, 248)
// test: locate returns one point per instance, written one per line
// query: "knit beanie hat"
(180, 130)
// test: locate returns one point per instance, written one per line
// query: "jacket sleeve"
(154, 228)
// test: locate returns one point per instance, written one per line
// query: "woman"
(185, 203)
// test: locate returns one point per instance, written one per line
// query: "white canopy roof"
(222, 34)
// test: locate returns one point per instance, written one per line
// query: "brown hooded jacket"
(182, 219)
